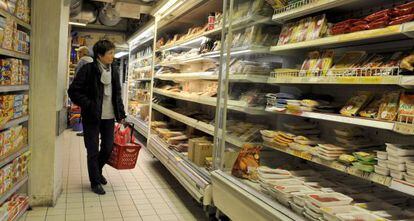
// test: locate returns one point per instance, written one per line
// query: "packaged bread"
(356, 103)
(406, 108)
(349, 59)
(389, 107)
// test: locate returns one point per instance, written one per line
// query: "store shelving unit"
(8, 158)
(240, 199)
(139, 125)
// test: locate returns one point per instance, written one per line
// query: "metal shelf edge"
(12, 156)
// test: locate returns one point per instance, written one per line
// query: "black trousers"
(98, 158)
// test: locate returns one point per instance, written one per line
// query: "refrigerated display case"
(335, 128)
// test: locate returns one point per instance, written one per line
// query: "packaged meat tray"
(311, 217)
(382, 170)
(409, 165)
(360, 216)
(330, 213)
(313, 210)
(285, 192)
(397, 174)
(382, 155)
(409, 178)
(300, 198)
(400, 159)
(329, 199)
(286, 182)
(400, 149)
(297, 208)
(398, 166)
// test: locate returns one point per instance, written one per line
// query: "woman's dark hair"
(101, 47)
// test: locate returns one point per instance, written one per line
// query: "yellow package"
(356, 103)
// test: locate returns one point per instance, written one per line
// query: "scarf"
(106, 77)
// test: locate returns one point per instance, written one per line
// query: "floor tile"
(55, 218)
(150, 218)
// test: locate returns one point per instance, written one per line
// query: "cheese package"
(356, 103)
(406, 108)
(389, 107)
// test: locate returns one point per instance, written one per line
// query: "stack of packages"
(13, 106)
(317, 63)
(279, 101)
(13, 72)
(244, 131)
(13, 172)
(306, 29)
(398, 15)
(12, 38)
(330, 152)
(200, 150)
(277, 138)
(19, 8)
(13, 139)
(303, 129)
(397, 161)
(339, 198)
(10, 209)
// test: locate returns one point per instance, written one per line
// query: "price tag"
(297, 153)
(404, 128)
(371, 80)
(348, 80)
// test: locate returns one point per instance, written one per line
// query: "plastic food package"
(356, 103)
(329, 199)
(397, 174)
(382, 170)
(406, 108)
(247, 162)
(363, 167)
(396, 166)
(400, 149)
(382, 155)
(389, 107)
(371, 110)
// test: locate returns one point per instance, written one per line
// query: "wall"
(48, 70)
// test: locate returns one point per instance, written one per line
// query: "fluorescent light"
(146, 34)
(164, 8)
(77, 23)
(120, 54)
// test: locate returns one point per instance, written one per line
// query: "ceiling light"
(120, 54)
(77, 23)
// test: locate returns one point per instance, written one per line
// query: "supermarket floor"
(148, 192)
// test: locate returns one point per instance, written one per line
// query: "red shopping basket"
(125, 153)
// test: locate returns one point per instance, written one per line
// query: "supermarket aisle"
(148, 192)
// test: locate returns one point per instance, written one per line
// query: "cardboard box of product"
(202, 150)
(191, 144)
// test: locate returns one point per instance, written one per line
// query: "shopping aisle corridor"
(149, 192)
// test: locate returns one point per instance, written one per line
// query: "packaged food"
(356, 103)
(247, 162)
(320, 27)
(364, 156)
(410, 165)
(382, 155)
(361, 216)
(329, 199)
(346, 159)
(402, 19)
(310, 63)
(371, 110)
(396, 166)
(397, 174)
(297, 208)
(389, 106)
(382, 170)
(330, 213)
(409, 178)
(400, 159)
(378, 15)
(363, 167)
(349, 59)
(406, 108)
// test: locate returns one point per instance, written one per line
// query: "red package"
(378, 24)
(338, 31)
(404, 6)
(123, 136)
(402, 19)
(378, 15)
(403, 11)
(359, 28)
(347, 22)
(360, 22)
(384, 18)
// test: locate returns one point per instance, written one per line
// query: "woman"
(97, 90)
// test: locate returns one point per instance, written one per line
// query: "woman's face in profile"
(108, 58)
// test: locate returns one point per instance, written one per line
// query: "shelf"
(404, 81)
(199, 125)
(15, 122)
(18, 21)
(395, 32)
(387, 181)
(190, 177)
(240, 106)
(196, 124)
(240, 201)
(14, 54)
(142, 69)
(241, 51)
(141, 79)
(14, 88)
(188, 76)
(16, 187)
(193, 42)
(139, 125)
(11, 156)
(300, 9)
(196, 59)
(365, 122)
